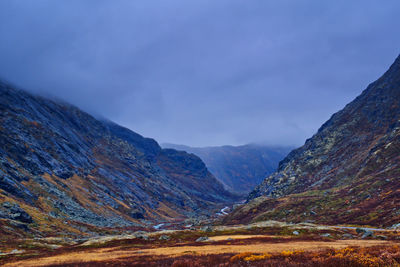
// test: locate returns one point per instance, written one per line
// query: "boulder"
(360, 230)
(202, 239)
(395, 226)
(164, 237)
(141, 235)
(207, 229)
(348, 236)
(367, 234)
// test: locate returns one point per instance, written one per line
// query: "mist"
(200, 72)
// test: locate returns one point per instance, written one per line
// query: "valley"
(239, 168)
(80, 191)
(199, 133)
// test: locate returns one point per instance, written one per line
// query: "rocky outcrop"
(13, 211)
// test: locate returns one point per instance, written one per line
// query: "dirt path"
(106, 254)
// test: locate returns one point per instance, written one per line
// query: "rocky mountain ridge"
(348, 172)
(63, 167)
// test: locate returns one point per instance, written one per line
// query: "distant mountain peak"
(238, 168)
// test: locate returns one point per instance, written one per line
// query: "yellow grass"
(260, 247)
(225, 237)
(107, 254)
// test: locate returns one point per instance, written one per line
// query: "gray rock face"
(13, 211)
(348, 171)
(93, 171)
(345, 146)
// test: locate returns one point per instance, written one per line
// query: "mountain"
(61, 168)
(238, 168)
(348, 172)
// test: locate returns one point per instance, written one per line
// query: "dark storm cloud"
(201, 72)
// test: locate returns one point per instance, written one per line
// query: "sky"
(201, 72)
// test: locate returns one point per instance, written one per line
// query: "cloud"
(201, 72)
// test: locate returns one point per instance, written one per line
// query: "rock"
(202, 239)
(296, 233)
(164, 237)
(395, 226)
(22, 226)
(137, 215)
(348, 236)
(235, 206)
(141, 235)
(367, 234)
(17, 251)
(382, 237)
(158, 226)
(14, 212)
(144, 237)
(207, 229)
(360, 230)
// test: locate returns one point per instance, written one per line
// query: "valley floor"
(260, 244)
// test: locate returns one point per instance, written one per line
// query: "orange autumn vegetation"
(350, 256)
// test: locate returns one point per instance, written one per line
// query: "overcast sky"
(201, 72)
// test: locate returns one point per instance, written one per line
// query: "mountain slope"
(348, 172)
(239, 168)
(59, 164)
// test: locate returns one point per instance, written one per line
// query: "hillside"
(61, 169)
(348, 172)
(238, 168)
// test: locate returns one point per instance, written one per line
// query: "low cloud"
(201, 72)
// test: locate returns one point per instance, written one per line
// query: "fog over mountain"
(200, 72)
(238, 168)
